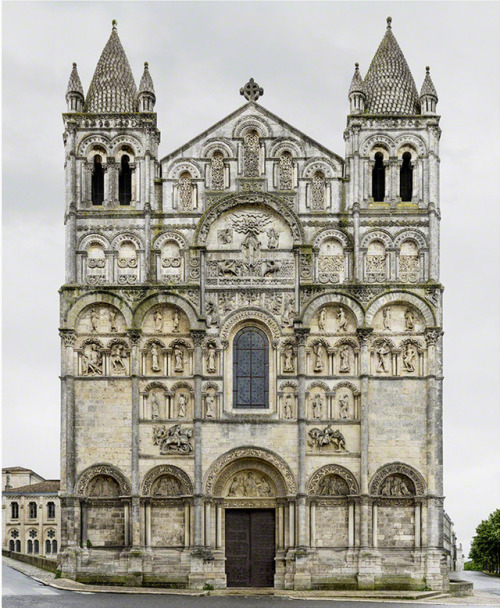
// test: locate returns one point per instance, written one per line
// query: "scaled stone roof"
(428, 86)
(356, 82)
(51, 486)
(74, 84)
(113, 87)
(146, 84)
(389, 84)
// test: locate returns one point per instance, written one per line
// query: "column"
(418, 528)
(364, 334)
(312, 519)
(433, 243)
(357, 257)
(281, 528)
(218, 536)
(291, 524)
(84, 516)
(147, 250)
(126, 518)
(301, 337)
(135, 337)
(148, 524)
(375, 524)
(351, 525)
(198, 336)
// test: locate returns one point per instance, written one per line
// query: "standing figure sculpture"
(155, 358)
(288, 406)
(118, 359)
(409, 319)
(273, 238)
(319, 352)
(409, 358)
(386, 314)
(345, 363)
(210, 406)
(94, 319)
(175, 321)
(182, 406)
(342, 319)
(211, 352)
(382, 352)
(178, 359)
(158, 319)
(344, 407)
(322, 320)
(288, 358)
(317, 406)
(155, 407)
(112, 320)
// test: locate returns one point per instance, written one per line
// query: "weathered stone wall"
(106, 526)
(396, 526)
(331, 526)
(167, 526)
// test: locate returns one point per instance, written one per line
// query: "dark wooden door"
(250, 547)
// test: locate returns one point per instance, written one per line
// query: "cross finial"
(251, 90)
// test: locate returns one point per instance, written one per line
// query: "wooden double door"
(250, 547)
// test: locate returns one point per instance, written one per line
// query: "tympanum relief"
(101, 319)
(165, 319)
(103, 486)
(332, 485)
(398, 319)
(250, 484)
(166, 485)
(397, 485)
(335, 320)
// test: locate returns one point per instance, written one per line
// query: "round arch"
(110, 470)
(96, 297)
(397, 468)
(166, 298)
(332, 298)
(246, 457)
(264, 199)
(332, 469)
(401, 296)
(248, 316)
(167, 469)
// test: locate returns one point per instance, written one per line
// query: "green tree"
(485, 547)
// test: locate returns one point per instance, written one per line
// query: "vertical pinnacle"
(389, 21)
(114, 24)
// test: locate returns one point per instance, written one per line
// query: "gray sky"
(200, 54)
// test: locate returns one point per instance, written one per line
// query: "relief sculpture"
(249, 484)
(397, 485)
(92, 360)
(327, 437)
(332, 485)
(174, 440)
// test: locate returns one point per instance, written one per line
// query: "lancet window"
(14, 510)
(406, 178)
(378, 178)
(125, 181)
(97, 181)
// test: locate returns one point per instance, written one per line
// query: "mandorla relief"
(332, 485)
(250, 484)
(397, 485)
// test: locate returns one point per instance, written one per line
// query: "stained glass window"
(251, 369)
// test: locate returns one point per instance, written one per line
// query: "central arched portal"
(253, 488)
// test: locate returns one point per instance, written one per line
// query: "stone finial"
(251, 91)
(114, 23)
(389, 22)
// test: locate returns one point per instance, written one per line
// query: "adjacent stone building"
(251, 341)
(31, 512)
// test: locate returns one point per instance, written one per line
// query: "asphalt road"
(20, 591)
(482, 582)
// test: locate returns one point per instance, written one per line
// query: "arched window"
(406, 178)
(36, 547)
(378, 178)
(12, 545)
(32, 510)
(217, 171)
(14, 510)
(51, 510)
(318, 191)
(286, 171)
(48, 547)
(251, 369)
(125, 181)
(185, 192)
(18, 546)
(97, 181)
(251, 149)
(54, 546)
(30, 546)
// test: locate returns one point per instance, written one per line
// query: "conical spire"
(146, 84)
(389, 84)
(428, 87)
(113, 87)
(74, 83)
(357, 81)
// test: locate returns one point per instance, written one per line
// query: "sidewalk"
(427, 597)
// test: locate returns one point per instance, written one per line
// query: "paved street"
(482, 582)
(20, 591)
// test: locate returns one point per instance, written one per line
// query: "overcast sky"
(303, 54)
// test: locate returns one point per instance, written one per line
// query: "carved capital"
(135, 336)
(301, 335)
(68, 336)
(432, 334)
(364, 334)
(197, 336)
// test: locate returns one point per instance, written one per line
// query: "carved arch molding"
(248, 198)
(167, 469)
(243, 458)
(402, 469)
(86, 477)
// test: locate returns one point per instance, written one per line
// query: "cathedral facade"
(251, 342)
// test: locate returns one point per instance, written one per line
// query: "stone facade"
(31, 513)
(252, 322)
